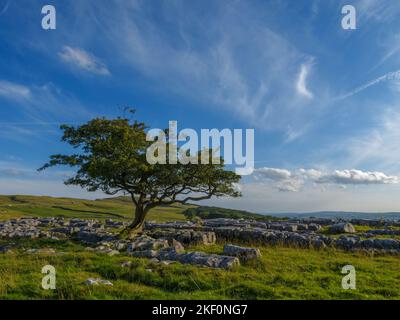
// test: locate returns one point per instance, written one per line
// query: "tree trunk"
(137, 225)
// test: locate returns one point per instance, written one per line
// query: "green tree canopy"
(111, 157)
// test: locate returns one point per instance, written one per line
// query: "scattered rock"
(40, 251)
(314, 227)
(244, 254)
(383, 232)
(178, 247)
(187, 236)
(166, 241)
(105, 250)
(144, 254)
(97, 281)
(126, 264)
(342, 228)
(147, 243)
(154, 260)
(91, 282)
(93, 236)
(208, 260)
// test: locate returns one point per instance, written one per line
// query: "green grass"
(120, 208)
(281, 273)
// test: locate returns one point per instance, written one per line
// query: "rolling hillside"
(281, 272)
(108, 208)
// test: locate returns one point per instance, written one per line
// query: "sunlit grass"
(281, 273)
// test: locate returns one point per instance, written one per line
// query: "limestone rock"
(187, 236)
(342, 228)
(97, 281)
(244, 254)
(126, 264)
(144, 254)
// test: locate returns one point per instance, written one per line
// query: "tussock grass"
(282, 273)
(120, 208)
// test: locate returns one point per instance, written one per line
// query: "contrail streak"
(395, 75)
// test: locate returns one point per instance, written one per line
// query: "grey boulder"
(244, 254)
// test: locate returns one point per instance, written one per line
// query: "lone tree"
(111, 157)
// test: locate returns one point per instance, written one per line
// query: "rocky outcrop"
(199, 259)
(147, 243)
(342, 228)
(109, 223)
(244, 254)
(170, 225)
(94, 236)
(164, 239)
(164, 250)
(382, 232)
(352, 243)
(273, 237)
(187, 236)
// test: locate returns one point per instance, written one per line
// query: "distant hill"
(117, 208)
(343, 215)
(121, 208)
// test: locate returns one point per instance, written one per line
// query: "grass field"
(281, 273)
(120, 208)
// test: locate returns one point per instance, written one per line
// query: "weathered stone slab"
(185, 236)
(147, 243)
(342, 228)
(244, 254)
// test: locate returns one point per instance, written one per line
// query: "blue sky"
(323, 101)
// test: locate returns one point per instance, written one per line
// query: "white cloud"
(311, 174)
(265, 198)
(301, 84)
(274, 173)
(357, 177)
(285, 180)
(14, 91)
(83, 60)
(281, 179)
(290, 185)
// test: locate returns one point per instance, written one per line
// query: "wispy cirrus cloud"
(14, 91)
(376, 10)
(83, 60)
(379, 145)
(38, 110)
(301, 83)
(248, 71)
(4, 7)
